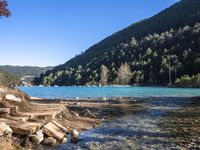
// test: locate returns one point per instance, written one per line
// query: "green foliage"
(187, 81)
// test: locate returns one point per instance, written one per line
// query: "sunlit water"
(94, 92)
(171, 121)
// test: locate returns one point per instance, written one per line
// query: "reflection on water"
(169, 123)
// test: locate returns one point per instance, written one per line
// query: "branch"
(3, 9)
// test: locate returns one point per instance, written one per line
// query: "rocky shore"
(25, 123)
(33, 123)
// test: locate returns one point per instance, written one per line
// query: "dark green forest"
(155, 51)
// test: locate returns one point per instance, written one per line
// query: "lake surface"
(96, 92)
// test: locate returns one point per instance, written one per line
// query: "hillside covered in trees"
(158, 50)
(8, 79)
(22, 71)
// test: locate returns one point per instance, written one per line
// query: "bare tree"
(124, 75)
(170, 76)
(104, 75)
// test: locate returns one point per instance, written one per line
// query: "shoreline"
(80, 114)
(117, 86)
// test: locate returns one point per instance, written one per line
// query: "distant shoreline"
(164, 86)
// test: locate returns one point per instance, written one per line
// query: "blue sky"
(50, 32)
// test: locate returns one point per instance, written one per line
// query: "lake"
(97, 92)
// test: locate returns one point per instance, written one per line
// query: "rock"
(37, 138)
(5, 110)
(40, 136)
(12, 97)
(74, 114)
(49, 141)
(88, 113)
(55, 130)
(76, 103)
(74, 136)
(25, 128)
(5, 129)
(64, 140)
(104, 98)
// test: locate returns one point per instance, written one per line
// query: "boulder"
(74, 136)
(5, 129)
(12, 97)
(50, 141)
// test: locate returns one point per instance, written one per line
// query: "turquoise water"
(96, 92)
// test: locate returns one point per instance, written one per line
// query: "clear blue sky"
(50, 32)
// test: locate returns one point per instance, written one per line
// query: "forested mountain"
(8, 79)
(22, 71)
(157, 50)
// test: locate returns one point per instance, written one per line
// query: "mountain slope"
(187, 12)
(22, 71)
(147, 46)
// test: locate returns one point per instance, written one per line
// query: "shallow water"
(168, 124)
(172, 120)
(94, 92)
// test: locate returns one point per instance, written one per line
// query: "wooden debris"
(55, 130)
